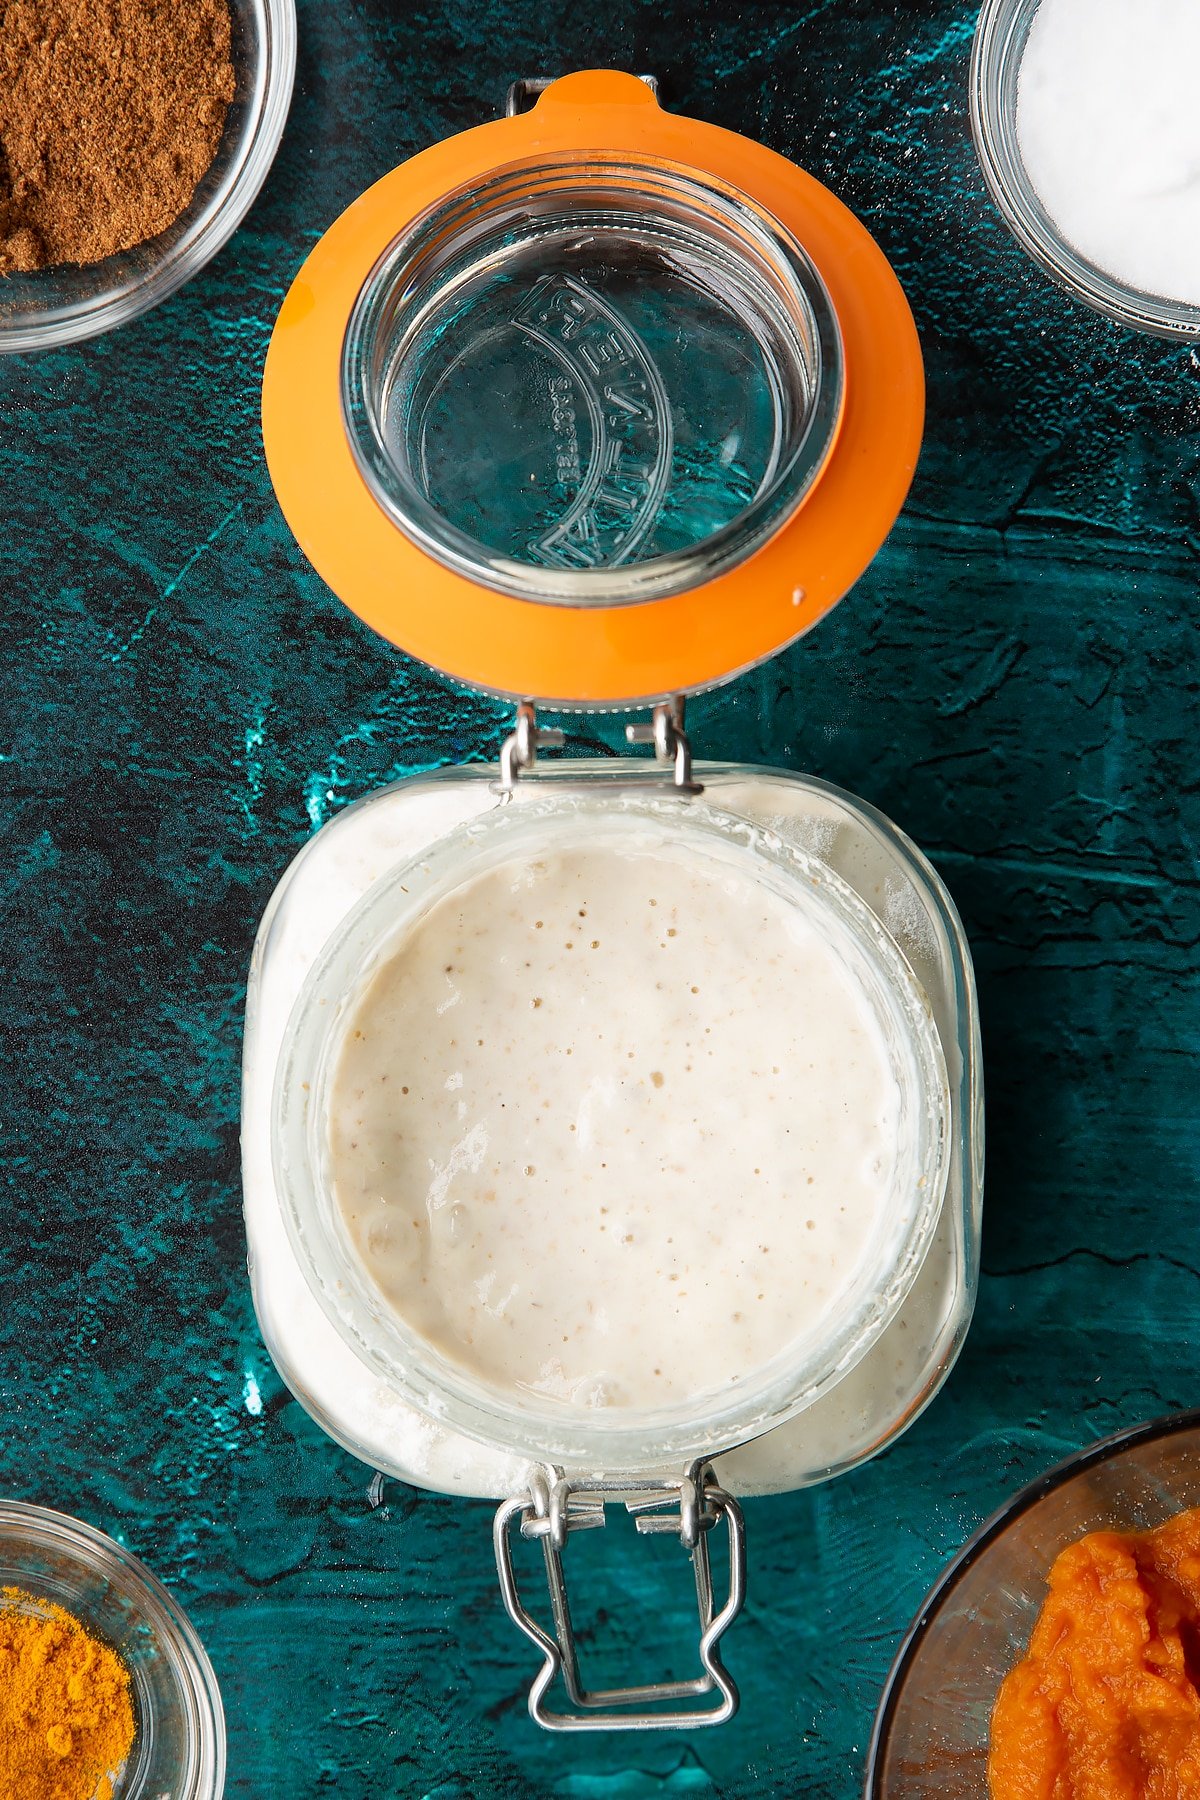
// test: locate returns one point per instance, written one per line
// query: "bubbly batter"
(616, 1128)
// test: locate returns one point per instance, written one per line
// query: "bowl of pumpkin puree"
(1058, 1656)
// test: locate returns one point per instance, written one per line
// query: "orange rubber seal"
(595, 655)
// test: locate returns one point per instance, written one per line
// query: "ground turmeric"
(66, 1716)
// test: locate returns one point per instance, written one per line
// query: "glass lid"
(593, 405)
(592, 383)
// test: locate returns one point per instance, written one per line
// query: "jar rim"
(617, 1439)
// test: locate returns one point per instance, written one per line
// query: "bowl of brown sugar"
(134, 136)
(105, 1690)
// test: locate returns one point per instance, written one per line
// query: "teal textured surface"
(1015, 681)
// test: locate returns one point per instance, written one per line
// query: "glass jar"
(561, 396)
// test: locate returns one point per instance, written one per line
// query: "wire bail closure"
(689, 1506)
(519, 752)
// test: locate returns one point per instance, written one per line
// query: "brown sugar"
(110, 113)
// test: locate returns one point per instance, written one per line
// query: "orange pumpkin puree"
(1106, 1704)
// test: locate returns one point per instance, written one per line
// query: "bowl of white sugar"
(1087, 125)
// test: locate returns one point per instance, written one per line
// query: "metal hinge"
(519, 752)
(525, 92)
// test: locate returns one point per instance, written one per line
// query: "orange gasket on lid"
(595, 655)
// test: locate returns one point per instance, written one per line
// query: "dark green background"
(1014, 681)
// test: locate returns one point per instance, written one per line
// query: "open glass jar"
(598, 406)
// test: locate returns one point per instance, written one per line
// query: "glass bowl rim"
(1130, 1437)
(76, 320)
(632, 1442)
(998, 38)
(93, 1550)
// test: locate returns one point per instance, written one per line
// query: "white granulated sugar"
(1108, 122)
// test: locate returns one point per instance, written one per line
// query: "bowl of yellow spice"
(105, 1690)
(134, 138)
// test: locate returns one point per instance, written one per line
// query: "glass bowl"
(999, 45)
(931, 1731)
(179, 1747)
(67, 303)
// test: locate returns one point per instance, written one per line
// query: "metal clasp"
(688, 1507)
(525, 92)
(519, 752)
(665, 731)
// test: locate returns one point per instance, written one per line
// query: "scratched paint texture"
(1015, 681)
